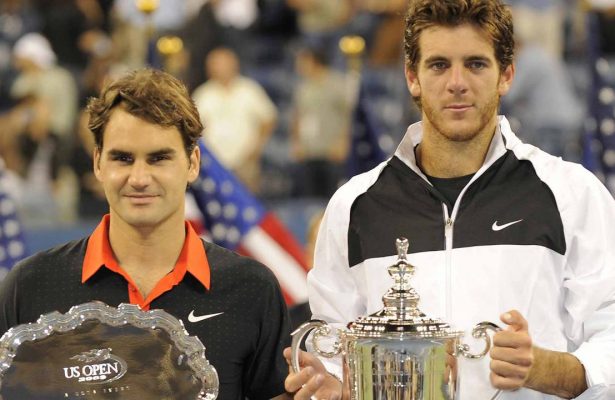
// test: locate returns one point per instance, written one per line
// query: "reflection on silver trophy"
(98, 352)
(397, 353)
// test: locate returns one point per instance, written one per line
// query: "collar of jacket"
(503, 139)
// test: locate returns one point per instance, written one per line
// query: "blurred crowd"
(276, 92)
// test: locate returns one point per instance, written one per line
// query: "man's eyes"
(473, 65)
(123, 158)
(438, 66)
(128, 159)
(158, 158)
(477, 65)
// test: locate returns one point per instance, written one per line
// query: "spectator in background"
(388, 32)
(39, 116)
(321, 21)
(223, 23)
(134, 31)
(542, 100)
(63, 23)
(201, 34)
(48, 102)
(236, 18)
(320, 133)
(16, 19)
(39, 129)
(238, 116)
(540, 22)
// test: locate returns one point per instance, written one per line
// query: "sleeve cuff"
(593, 374)
(598, 392)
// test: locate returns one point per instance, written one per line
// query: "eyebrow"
(433, 59)
(437, 58)
(479, 58)
(115, 153)
(161, 152)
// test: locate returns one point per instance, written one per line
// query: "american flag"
(12, 244)
(599, 138)
(235, 219)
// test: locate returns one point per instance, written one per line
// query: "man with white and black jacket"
(498, 229)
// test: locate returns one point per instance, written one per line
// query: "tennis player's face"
(459, 82)
(144, 171)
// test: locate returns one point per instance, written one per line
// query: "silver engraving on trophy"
(95, 351)
(397, 353)
(98, 366)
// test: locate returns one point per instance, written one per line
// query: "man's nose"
(140, 174)
(457, 80)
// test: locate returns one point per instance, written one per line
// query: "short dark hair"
(491, 16)
(152, 95)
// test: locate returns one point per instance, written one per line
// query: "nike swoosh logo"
(495, 227)
(192, 318)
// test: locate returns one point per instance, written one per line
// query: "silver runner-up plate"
(99, 352)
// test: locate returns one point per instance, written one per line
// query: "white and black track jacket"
(529, 232)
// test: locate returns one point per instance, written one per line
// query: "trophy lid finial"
(401, 271)
(402, 248)
(401, 314)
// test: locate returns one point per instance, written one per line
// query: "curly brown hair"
(152, 95)
(492, 16)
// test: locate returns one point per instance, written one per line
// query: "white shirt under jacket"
(569, 301)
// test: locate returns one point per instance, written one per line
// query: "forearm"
(557, 373)
(264, 133)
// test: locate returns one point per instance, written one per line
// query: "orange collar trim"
(191, 259)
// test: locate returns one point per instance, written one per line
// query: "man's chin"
(141, 220)
(458, 132)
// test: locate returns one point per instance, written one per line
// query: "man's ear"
(96, 163)
(412, 80)
(195, 164)
(506, 79)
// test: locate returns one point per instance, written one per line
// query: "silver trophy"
(98, 352)
(397, 353)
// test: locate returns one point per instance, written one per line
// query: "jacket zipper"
(448, 279)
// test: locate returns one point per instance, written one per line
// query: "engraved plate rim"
(123, 314)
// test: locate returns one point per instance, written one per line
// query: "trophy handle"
(322, 329)
(479, 332)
